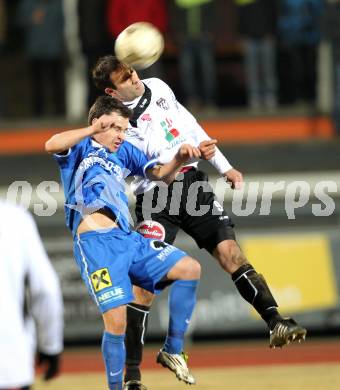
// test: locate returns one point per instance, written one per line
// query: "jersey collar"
(141, 106)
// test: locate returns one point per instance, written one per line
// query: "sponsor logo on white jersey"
(163, 104)
(146, 117)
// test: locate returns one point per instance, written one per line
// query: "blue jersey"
(94, 178)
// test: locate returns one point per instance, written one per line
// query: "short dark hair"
(103, 69)
(106, 105)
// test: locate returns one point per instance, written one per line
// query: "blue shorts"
(110, 261)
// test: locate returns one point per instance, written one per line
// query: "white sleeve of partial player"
(45, 291)
(219, 161)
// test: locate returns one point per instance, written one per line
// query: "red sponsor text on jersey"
(146, 117)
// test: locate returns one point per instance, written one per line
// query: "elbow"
(159, 178)
(50, 146)
(167, 180)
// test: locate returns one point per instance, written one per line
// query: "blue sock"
(113, 351)
(182, 300)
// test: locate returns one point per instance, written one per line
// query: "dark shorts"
(188, 204)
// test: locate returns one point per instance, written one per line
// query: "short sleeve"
(72, 155)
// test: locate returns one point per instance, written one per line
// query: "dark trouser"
(48, 85)
(297, 69)
(92, 57)
(336, 86)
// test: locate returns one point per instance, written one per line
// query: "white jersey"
(162, 127)
(24, 264)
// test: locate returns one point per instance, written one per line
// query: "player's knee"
(115, 320)
(194, 269)
(186, 269)
(229, 255)
(143, 297)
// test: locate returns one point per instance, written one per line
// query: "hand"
(51, 364)
(187, 152)
(207, 149)
(101, 124)
(235, 178)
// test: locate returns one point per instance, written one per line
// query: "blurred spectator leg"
(205, 52)
(91, 59)
(57, 77)
(295, 74)
(36, 68)
(269, 78)
(336, 88)
(188, 74)
(309, 56)
(289, 80)
(3, 105)
(252, 73)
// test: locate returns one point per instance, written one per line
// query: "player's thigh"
(185, 269)
(209, 226)
(155, 259)
(142, 296)
(104, 260)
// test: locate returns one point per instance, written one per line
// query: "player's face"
(113, 138)
(128, 85)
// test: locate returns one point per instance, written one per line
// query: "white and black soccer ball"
(139, 45)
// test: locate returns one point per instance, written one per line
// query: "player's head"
(106, 105)
(117, 79)
(118, 113)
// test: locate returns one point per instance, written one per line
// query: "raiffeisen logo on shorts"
(151, 229)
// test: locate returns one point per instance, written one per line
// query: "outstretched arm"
(207, 147)
(218, 160)
(233, 176)
(167, 172)
(211, 153)
(62, 142)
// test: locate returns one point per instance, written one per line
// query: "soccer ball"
(139, 45)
